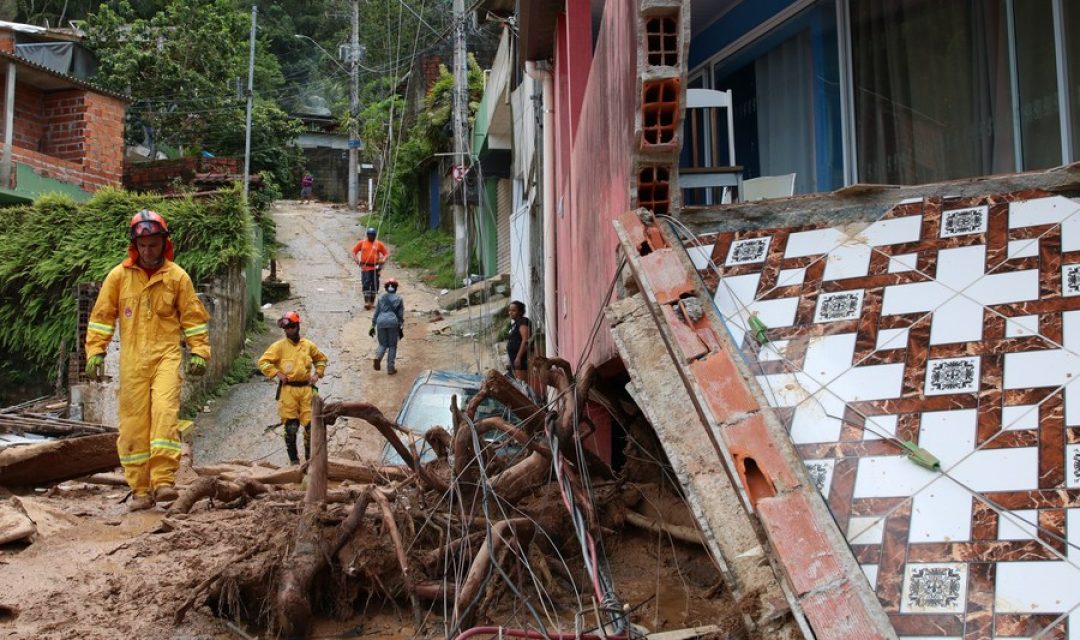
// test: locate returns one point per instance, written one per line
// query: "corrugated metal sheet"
(503, 204)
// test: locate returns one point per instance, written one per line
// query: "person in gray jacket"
(388, 321)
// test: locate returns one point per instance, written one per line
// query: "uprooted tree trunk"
(383, 543)
(57, 460)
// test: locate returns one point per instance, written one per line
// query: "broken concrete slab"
(15, 525)
(832, 594)
(728, 530)
(476, 293)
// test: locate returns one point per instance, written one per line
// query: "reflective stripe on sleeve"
(196, 330)
(97, 327)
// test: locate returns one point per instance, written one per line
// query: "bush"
(46, 249)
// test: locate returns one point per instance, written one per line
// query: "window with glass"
(785, 89)
(941, 91)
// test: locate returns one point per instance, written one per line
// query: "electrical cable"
(681, 230)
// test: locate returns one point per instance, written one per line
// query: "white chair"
(768, 187)
(706, 172)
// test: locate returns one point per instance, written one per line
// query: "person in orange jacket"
(370, 254)
(155, 303)
(290, 361)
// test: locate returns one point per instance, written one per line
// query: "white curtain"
(785, 114)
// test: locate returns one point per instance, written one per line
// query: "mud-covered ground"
(96, 571)
(325, 291)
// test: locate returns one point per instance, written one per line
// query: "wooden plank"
(57, 460)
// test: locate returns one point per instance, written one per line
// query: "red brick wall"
(29, 128)
(63, 113)
(7, 40)
(104, 144)
(81, 133)
(161, 175)
(50, 167)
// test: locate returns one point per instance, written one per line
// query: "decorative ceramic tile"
(954, 326)
(935, 588)
(747, 251)
(892, 339)
(863, 530)
(903, 262)
(1025, 416)
(962, 336)
(820, 473)
(878, 427)
(842, 305)
(962, 222)
(847, 261)
(952, 375)
(701, 256)
(1072, 466)
(1070, 279)
(1021, 524)
(1021, 326)
(789, 277)
(1027, 248)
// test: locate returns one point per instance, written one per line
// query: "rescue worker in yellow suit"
(155, 303)
(290, 362)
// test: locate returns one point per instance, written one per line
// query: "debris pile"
(503, 525)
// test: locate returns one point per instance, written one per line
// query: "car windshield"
(429, 406)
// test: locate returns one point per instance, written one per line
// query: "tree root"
(216, 489)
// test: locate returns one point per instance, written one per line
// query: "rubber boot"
(307, 443)
(141, 503)
(291, 427)
(375, 362)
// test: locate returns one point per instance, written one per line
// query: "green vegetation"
(179, 62)
(400, 186)
(48, 248)
(417, 247)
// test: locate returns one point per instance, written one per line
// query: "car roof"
(460, 379)
(441, 377)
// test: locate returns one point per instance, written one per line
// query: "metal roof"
(50, 80)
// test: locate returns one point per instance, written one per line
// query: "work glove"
(95, 367)
(400, 332)
(371, 331)
(196, 366)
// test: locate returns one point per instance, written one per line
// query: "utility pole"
(354, 104)
(250, 99)
(461, 92)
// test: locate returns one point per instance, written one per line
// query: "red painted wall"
(600, 160)
(573, 55)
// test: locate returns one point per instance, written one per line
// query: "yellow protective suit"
(295, 360)
(155, 313)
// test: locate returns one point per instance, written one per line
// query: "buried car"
(427, 405)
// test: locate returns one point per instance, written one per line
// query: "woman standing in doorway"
(517, 341)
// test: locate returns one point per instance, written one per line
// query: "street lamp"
(353, 58)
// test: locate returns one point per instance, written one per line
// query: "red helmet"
(391, 282)
(290, 317)
(147, 223)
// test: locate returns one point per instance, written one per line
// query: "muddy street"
(325, 290)
(97, 571)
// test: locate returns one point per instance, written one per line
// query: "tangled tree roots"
(455, 530)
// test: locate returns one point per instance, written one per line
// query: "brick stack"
(664, 38)
(72, 135)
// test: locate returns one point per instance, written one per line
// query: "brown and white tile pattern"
(954, 324)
